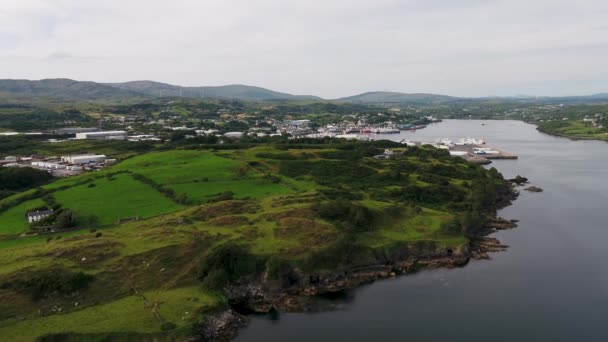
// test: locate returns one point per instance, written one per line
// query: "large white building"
(48, 165)
(234, 135)
(109, 135)
(84, 159)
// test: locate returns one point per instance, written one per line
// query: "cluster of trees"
(180, 198)
(17, 179)
(35, 144)
(41, 285)
(346, 214)
(64, 219)
(40, 118)
(326, 172)
(228, 262)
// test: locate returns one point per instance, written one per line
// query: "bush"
(225, 196)
(167, 326)
(229, 262)
(65, 219)
(451, 227)
(215, 279)
(344, 211)
(43, 285)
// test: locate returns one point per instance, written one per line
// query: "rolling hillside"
(62, 88)
(163, 234)
(393, 97)
(242, 92)
(67, 89)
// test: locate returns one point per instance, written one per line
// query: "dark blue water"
(551, 285)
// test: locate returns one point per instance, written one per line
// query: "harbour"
(473, 150)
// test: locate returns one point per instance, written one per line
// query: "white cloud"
(330, 47)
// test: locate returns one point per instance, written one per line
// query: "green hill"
(393, 97)
(241, 92)
(62, 88)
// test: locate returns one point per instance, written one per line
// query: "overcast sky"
(330, 48)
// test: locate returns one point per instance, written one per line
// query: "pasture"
(182, 166)
(111, 199)
(14, 220)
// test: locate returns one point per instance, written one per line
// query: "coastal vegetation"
(155, 243)
(576, 129)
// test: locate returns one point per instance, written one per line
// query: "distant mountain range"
(66, 89)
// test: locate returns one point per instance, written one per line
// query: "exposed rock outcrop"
(519, 180)
(219, 327)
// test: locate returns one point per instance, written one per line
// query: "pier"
(480, 153)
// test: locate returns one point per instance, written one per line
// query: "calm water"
(551, 285)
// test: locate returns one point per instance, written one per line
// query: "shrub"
(167, 326)
(344, 211)
(65, 219)
(42, 285)
(215, 279)
(229, 262)
(225, 196)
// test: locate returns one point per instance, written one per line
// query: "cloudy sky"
(329, 48)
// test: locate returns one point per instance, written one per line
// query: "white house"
(35, 216)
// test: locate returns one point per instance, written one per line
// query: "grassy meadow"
(115, 198)
(14, 220)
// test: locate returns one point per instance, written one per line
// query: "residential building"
(35, 216)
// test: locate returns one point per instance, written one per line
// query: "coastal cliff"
(294, 290)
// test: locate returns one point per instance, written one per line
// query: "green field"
(111, 200)
(182, 166)
(14, 220)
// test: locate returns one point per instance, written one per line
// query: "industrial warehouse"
(109, 135)
(65, 166)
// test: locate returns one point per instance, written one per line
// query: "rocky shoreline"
(296, 290)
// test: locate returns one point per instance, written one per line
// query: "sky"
(330, 48)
